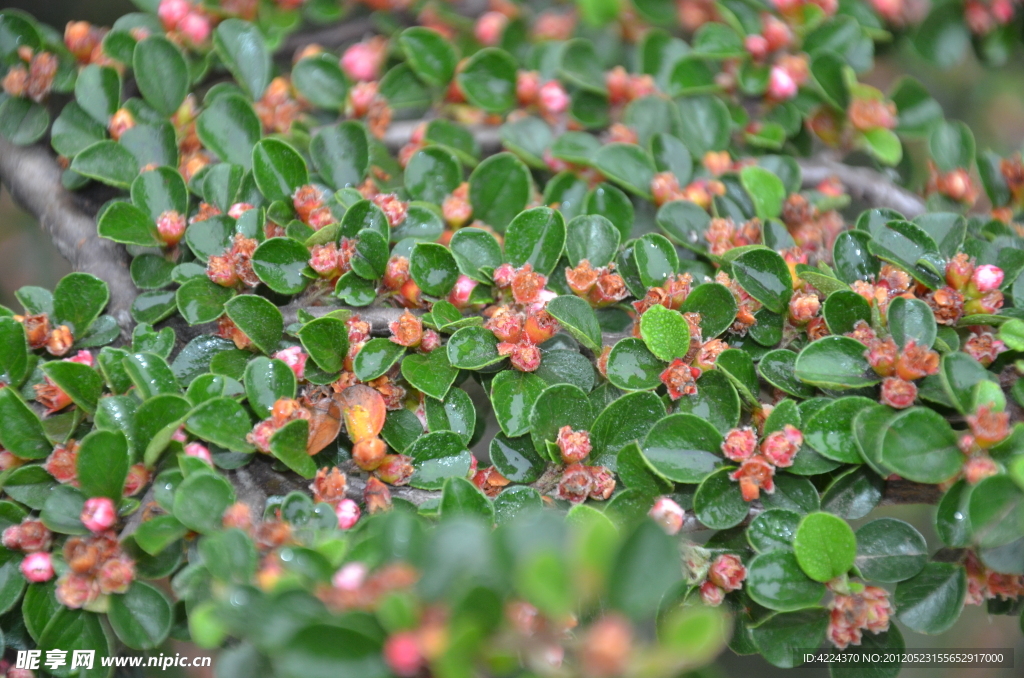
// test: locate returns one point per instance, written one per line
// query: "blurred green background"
(990, 101)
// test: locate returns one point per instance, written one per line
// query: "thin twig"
(863, 183)
(33, 177)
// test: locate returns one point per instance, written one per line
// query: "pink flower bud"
(489, 28)
(171, 227)
(430, 341)
(180, 435)
(573, 445)
(668, 514)
(553, 98)
(11, 538)
(361, 62)
(99, 514)
(199, 451)
(348, 514)
(82, 358)
(781, 85)
(711, 595)
(195, 27)
(171, 12)
(503, 275)
(351, 576)
(987, 278)
(781, 446)
(238, 209)
(460, 293)
(978, 468)
(402, 654)
(739, 444)
(37, 567)
(757, 45)
(295, 358)
(727, 572)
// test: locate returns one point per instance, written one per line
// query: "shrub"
(626, 269)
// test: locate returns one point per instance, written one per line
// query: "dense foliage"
(566, 219)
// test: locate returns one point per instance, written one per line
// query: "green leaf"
(783, 637)
(23, 122)
(920, 445)
(576, 316)
(632, 367)
(78, 300)
(515, 458)
(229, 127)
(475, 251)
(627, 165)
(738, 366)
(201, 301)
(842, 309)
(793, 493)
(773, 530)
(996, 510)
(319, 650)
(884, 145)
(82, 383)
(825, 546)
(125, 223)
(473, 348)
(160, 190)
(376, 357)
(488, 80)
(776, 367)
(431, 55)
(952, 146)
(686, 449)
(14, 356)
(829, 431)
(431, 174)
(436, 457)
(764, 275)
(241, 48)
(512, 396)
(156, 421)
(161, 73)
(280, 263)
(775, 580)
(835, 362)
(108, 162)
(716, 305)
(718, 503)
(536, 237)
(591, 237)
(72, 131)
(665, 332)
(278, 169)
(153, 536)
(557, 406)
(98, 91)
(716, 401)
(911, 319)
(288, 444)
(625, 420)
(223, 422)
(644, 569)
(103, 464)
(341, 154)
(151, 375)
(461, 497)
(431, 373)
(326, 342)
(656, 259)
(141, 617)
(706, 124)
(890, 550)
(201, 498)
(20, 429)
(766, 190)
(636, 472)
(455, 413)
(499, 189)
(266, 382)
(960, 374)
(930, 602)
(258, 318)
(433, 268)
(320, 80)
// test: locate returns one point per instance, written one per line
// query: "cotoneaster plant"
(616, 250)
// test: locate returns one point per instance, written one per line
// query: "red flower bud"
(402, 654)
(574, 445)
(898, 393)
(99, 514)
(781, 446)
(711, 594)
(37, 568)
(348, 514)
(668, 514)
(740, 444)
(395, 469)
(755, 474)
(727, 572)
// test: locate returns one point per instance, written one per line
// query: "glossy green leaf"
(434, 268)
(632, 367)
(718, 503)
(431, 373)
(764, 275)
(488, 80)
(512, 396)
(320, 80)
(278, 169)
(536, 237)
(835, 362)
(920, 445)
(161, 74)
(436, 457)
(241, 47)
(98, 91)
(686, 449)
(341, 154)
(103, 464)
(431, 56)
(557, 406)
(627, 165)
(266, 382)
(784, 636)
(625, 420)
(775, 580)
(890, 550)
(141, 617)
(773, 530)
(575, 315)
(930, 602)
(461, 497)
(288, 444)
(996, 511)
(843, 309)
(911, 320)
(516, 458)
(258, 318)
(221, 421)
(200, 501)
(716, 401)
(107, 162)
(665, 332)
(825, 546)
(201, 301)
(229, 127)
(716, 305)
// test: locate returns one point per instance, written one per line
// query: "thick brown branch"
(863, 183)
(33, 177)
